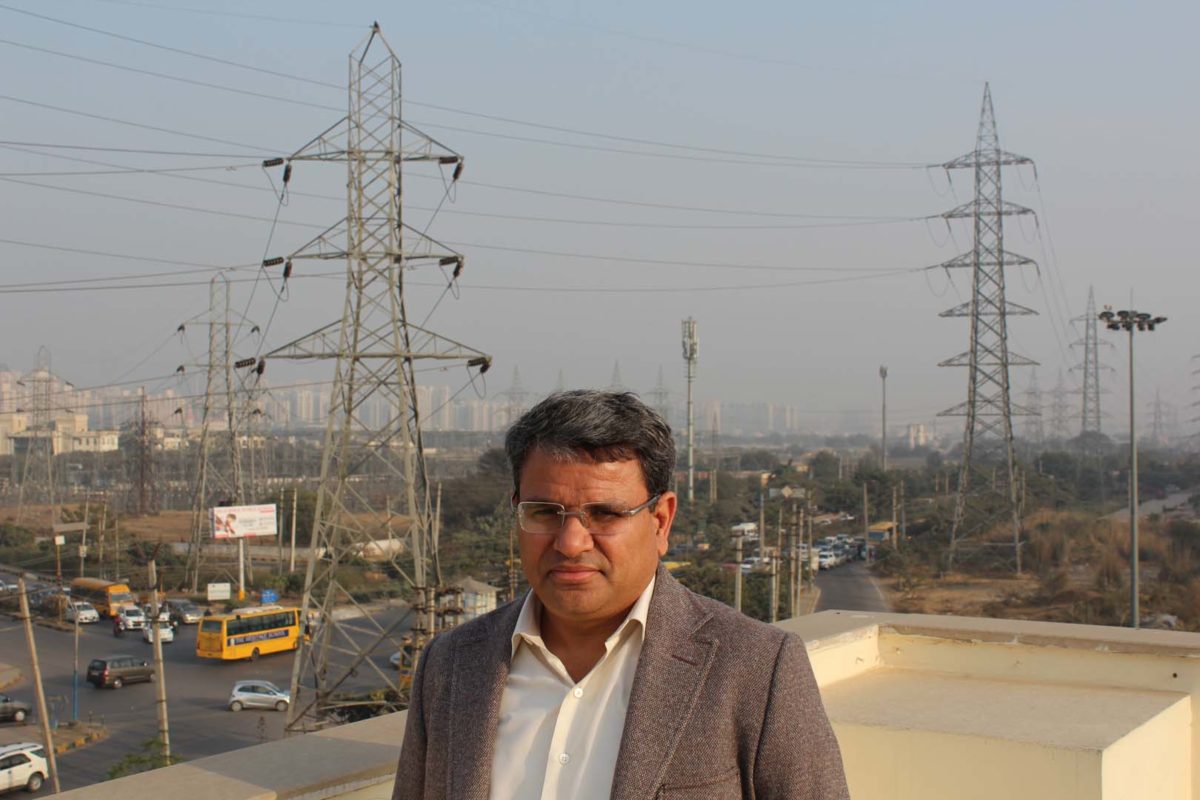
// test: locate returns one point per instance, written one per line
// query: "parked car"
(82, 609)
(23, 766)
(826, 559)
(184, 612)
(6, 587)
(258, 694)
(166, 632)
(116, 671)
(13, 709)
(130, 618)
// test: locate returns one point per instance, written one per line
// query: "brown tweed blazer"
(722, 707)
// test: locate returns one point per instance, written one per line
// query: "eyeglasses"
(600, 519)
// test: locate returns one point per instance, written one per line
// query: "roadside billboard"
(239, 522)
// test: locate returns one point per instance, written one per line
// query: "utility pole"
(883, 372)
(773, 554)
(295, 503)
(1129, 321)
(375, 351)
(160, 675)
(988, 432)
(691, 349)
(40, 693)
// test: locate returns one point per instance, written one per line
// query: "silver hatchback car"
(258, 694)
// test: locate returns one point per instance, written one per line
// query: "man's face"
(583, 579)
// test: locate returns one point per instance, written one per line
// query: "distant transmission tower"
(987, 488)
(37, 474)
(1034, 431)
(375, 350)
(218, 473)
(1089, 428)
(691, 349)
(1158, 420)
(516, 399)
(1059, 411)
(660, 397)
(616, 384)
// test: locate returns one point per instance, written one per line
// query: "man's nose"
(573, 539)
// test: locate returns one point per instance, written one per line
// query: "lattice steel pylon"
(1035, 432)
(987, 488)
(660, 396)
(1059, 410)
(1090, 416)
(217, 478)
(374, 349)
(37, 473)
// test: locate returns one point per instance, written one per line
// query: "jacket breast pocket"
(726, 785)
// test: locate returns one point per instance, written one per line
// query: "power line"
(142, 125)
(237, 15)
(478, 245)
(137, 150)
(846, 163)
(118, 169)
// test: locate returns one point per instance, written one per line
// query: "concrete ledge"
(357, 760)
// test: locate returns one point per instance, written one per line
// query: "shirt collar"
(529, 629)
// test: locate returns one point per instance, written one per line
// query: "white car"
(826, 559)
(165, 632)
(131, 618)
(82, 609)
(23, 766)
(258, 694)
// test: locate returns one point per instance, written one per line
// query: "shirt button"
(577, 692)
(563, 758)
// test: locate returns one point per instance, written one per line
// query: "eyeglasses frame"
(581, 515)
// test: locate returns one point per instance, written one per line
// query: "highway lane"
(197, 694)
(849, 587)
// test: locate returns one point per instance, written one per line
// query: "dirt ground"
(958, 595)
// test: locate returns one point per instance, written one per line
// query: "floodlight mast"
(1129, 320)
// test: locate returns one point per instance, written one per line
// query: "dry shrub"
(1189, 608)
(1179, 567)
(1110, 572)
(1053, 584)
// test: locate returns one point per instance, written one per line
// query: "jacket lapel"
(670, 674)
(480, 669)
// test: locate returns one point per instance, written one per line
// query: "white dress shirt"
(558, 739)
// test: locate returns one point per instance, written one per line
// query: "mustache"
(554, 560)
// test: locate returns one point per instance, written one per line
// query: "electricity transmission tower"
(616, 384)
(218, 473)
(1059, 410)
(1034, 431)
(988, 492)
(374, 349)
(660, 397)
(1158, 420)
(516, 399)
(1089, 428)
(37, 474)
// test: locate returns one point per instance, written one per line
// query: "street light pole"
(1130, 320)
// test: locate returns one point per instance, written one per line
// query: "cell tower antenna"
(988, 492)
(375, 350)
(691, 349)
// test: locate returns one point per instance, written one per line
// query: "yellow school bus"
(248, 633)
(107, 597)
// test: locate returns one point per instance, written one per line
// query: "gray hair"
(595, 425)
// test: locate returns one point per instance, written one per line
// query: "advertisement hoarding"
(238, 522)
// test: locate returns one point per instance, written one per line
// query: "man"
(609, 678)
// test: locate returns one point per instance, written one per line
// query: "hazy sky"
(799, 289)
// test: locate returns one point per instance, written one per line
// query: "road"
(849, 587)
(1148, 507)
(197, 694)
